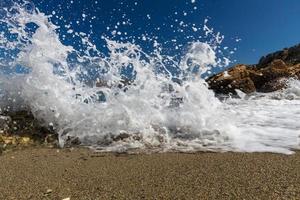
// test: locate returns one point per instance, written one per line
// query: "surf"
(122, 98)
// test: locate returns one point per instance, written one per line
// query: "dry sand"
(40, 173)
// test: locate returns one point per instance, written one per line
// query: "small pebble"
(48, 191)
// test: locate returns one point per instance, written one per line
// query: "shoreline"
(79, 173)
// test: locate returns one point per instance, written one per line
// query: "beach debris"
(68, 198)
(48, 192)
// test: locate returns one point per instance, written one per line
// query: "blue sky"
(263, 26)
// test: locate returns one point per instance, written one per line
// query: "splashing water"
(153, 107)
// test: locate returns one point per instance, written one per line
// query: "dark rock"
(273, 85)
(4, 121)
(21, 128)
(288, 55)
(121, 136)
(72, 141)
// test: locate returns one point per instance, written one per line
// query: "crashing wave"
(156, 109)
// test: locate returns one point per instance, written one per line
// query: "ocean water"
(122, 98)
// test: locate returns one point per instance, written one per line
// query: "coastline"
(78, 173)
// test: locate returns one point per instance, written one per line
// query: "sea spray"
(151, 107)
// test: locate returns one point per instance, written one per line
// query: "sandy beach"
(41, 173)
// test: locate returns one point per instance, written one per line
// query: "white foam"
(153, 112)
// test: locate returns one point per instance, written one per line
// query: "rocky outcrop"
(21, 129)
(290, 56)
(269, 75)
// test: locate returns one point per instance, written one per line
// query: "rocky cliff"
(268, 75)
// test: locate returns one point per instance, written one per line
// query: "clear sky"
(262, 25)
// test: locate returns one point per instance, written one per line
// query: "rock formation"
(268, 75)
(20, 129)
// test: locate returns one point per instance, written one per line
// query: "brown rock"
(269, 75)
(246, 85)
(273, 85)
(237, 77)
(290, 56)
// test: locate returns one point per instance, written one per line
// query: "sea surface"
(121, 97)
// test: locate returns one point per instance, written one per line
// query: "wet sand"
(40, 173)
